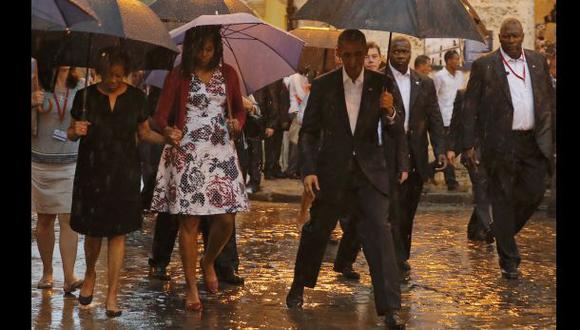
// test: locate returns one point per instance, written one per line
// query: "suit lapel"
(415, 89)
(364, 110)
(502, 77)
(535, 75)
(396, 94)
(340, 101)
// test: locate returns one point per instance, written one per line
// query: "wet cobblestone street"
(455, 283)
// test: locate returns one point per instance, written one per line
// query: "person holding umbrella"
(199, 173)
(106, 200)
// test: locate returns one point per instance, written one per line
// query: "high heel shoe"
(73, 287)
(85, 300)
(193, 306)
(111, 313)
(211, 286)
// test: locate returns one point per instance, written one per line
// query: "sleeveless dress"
(202, 176)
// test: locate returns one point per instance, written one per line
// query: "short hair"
(352, 35)
(449, 54)
(422, 59)
(110, 56)
(510, 20)
(193, 43)
(372, 44)
(399, 39)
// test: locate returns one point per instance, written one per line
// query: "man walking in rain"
(347, 173)
(508, 106)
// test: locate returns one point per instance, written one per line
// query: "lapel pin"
(533, 66)
(416, 82)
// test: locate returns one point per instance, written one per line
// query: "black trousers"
(371, 208)
(405, 199)
(480, 220)
(255, 153)
(273, 146)
(166, 228)
(449, 171)
(350, 244)
(150, 155)
(516, 188)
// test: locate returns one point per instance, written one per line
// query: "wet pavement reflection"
(454, 283)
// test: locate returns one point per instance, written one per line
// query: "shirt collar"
(398, 73)
(358, 80)
(510, 59)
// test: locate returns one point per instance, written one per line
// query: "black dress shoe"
(348, 272)
(111, 313)
(160, 273)
(85, 300)
(231, 278)
(393, 320)
(510, 273)
(295, 299)
(478, 236)
(252, 189)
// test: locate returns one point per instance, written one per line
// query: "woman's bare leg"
(68, 242)
(188, 228)
(45, 242)
(221, 228)
(92, 251)
(115, 255)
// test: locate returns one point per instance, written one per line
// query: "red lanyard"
(523, 78)
(63, 109)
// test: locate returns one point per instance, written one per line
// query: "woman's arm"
(149, 135)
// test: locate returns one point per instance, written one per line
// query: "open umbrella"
(183, 11)
(45, 13)
(259, 52)
(128, 24)
(419, 18)
(317, 38)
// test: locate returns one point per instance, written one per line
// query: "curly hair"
(193, 44)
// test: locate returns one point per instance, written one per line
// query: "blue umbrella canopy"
(183, 11)
(46, 13)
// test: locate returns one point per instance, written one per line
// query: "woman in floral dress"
(199, 173)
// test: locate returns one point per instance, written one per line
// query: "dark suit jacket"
(327, 144)
(455, 138)
(425, 117)
(266, 98)
(488, 109)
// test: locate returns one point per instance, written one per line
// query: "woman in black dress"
(106, 199)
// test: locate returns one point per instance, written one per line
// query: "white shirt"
(404, 84)
(352, 96)
(447, 85)
(521, 92)
(297, 89)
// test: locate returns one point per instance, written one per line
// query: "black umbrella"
(318, 37)
(128, 24)
(419, 18)
(184, 11)
(45, 13)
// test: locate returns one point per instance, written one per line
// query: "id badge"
(59, 135)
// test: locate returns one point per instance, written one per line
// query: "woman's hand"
(37, 98)
(234, 126)
(172, 134)
(80, 128)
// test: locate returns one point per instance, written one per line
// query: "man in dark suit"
(479, 226)
(345, 170)
(416, 103)
(280, 101)
(508, 106)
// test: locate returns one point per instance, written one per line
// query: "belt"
(523, 132)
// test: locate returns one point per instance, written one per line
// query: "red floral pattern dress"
(202, 176)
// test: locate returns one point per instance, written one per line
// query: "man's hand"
(451, 156)
(403, 177)
(387, 103)
(269, 132)
(37, 98)
(470, 158)
(172, 134)
(311, 182)
(442, 162)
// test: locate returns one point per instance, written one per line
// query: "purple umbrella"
(259, 52)
(65, 13)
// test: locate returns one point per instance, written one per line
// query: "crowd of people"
(358, 138)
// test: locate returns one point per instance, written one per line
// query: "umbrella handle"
(84, 110)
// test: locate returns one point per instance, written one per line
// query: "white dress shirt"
(352, 96)
(404, 84)
(447, 85)
(521, 92)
